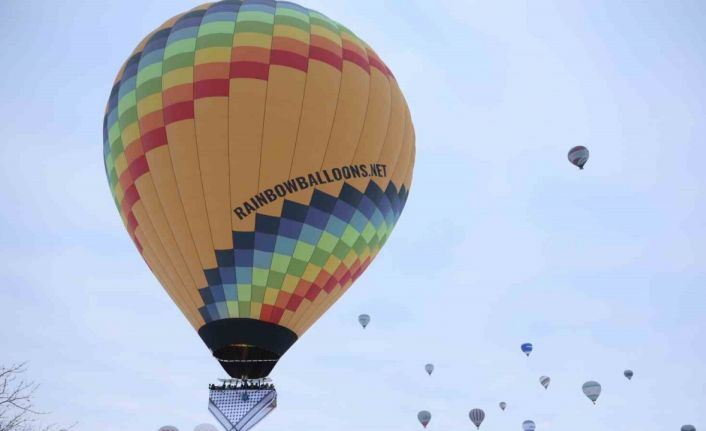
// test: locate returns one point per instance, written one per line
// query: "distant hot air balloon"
(503, 405)
(628, 374)
(259, 154)
(688, 428)
(578, 156)
(592, 390)
(477, 416)
(364, 319)
(526, 348)
(528, 426)
(168, 428)
(424, 417)
(205, 427)
(544, 380)
(429, 368)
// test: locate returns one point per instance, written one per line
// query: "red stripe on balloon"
(294, 302)
(326, 56)
(355, 58)
(154, 139)
(276, 315)
(211, 88)
(249, 69)
(289, 59)
(139, 167)
(131, 196)
(178, 112)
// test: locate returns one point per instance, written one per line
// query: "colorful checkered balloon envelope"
(260, 155)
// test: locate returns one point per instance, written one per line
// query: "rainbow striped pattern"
(309, 249)
(173, 141)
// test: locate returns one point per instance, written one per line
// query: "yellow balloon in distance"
(260, 155)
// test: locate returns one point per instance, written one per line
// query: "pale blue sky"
(501, 242)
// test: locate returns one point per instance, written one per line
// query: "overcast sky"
(502, 240)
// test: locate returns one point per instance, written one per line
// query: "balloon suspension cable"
(245, 361)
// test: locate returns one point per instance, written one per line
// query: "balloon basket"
(239, 405)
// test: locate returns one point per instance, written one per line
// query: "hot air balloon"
(477, 416)
(688, 428)
(503, 405)
(364, 319)
(628, 374)
(526, 348)
(544, 380)
(528, 426)
(168, 428)
(205, 427)
(259, 154)
(578, 156)
(592, 390)
(429, 368)
(424, 417)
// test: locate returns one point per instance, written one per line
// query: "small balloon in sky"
(168, 428)
(544, 380)
(424, 417)
(628, 374)
(429, 368)
(205, 427)
(528, 426)
(592, 390)
(503, 405)
(578, 156)
(688, 428)
(363, 319)
(526, 348)
(477, 416)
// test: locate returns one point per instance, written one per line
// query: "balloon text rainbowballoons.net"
(259, 154)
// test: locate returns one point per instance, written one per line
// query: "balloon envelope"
(258, 176)
(205, 427)
(592, 390)
(169, 428)
(503, 405)
(477, 416)
(628, 374)
(424, 417)
(578, 156)
(526, 348)
(688, 428)
(364, 319)
(528, 426)
(544, 381)
(429, 368)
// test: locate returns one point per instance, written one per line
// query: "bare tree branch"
(17, 412)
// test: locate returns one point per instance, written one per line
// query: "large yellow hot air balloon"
(259, 154)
